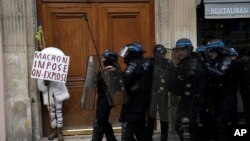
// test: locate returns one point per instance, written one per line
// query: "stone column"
(174, 19)
(184, 20)
(2, 115)
(33, 93)
(17, 17)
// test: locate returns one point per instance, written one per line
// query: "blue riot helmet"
(201, 50)
(159, 50)
(183, 48)
(216, 49)
(215, 45)
(232, 53)
(110, 58)
(131, 51)
(184, 43)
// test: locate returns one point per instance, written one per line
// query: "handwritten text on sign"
(50, 67)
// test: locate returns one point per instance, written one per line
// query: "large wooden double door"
(113, 23)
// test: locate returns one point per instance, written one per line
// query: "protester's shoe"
(59, 134)
(53, 134)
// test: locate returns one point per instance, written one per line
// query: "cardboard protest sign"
(50, 67)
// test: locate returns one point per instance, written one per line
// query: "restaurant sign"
(227, 10)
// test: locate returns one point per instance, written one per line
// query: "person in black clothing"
(162, 78)
(189, 86)
(220, 94)
(244, 76)
(235, 66)
(101, 123)
(137, 85)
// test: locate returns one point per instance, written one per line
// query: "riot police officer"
(235, 65)
(101, 123)
(244, 75)
(233, 54)
(162, 85)
(190, 86)
(137, 85)
(220, 89)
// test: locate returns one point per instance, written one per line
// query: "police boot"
(53, 134)
(59, 134)
(98, 131)
(150, 128)
(97, 134)
(127, 132)
(111, 138)
(221, 131)
(109, 133)
(164, 131)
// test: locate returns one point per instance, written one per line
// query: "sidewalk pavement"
(156, 137)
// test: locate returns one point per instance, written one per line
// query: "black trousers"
(151, 125)
(101, 123)
(131, 129)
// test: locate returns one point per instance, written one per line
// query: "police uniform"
(190, 86)
(101, 124)
(137, 85)
(162, 79)
(220, 95)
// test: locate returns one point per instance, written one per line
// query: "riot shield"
(163, 76)
(90, 85)
(115, 87)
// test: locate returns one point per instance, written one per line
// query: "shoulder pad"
(147, 64)
(130, 68)
(226, 63)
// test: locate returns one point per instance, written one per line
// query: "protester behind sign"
(54, 93)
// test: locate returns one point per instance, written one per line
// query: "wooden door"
(112, 24)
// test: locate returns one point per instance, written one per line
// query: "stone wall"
(2, 115)
(18, 23)
(175, 19)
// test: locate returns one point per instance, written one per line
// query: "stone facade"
(2, 114)
(174, 19)
(18, 24)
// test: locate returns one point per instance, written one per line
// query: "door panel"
(113, 25)
(123, 23)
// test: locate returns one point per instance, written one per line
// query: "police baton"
(99, 59)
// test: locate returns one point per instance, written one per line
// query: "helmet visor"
(124, 51)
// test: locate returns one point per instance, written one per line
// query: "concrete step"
(156, 137)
